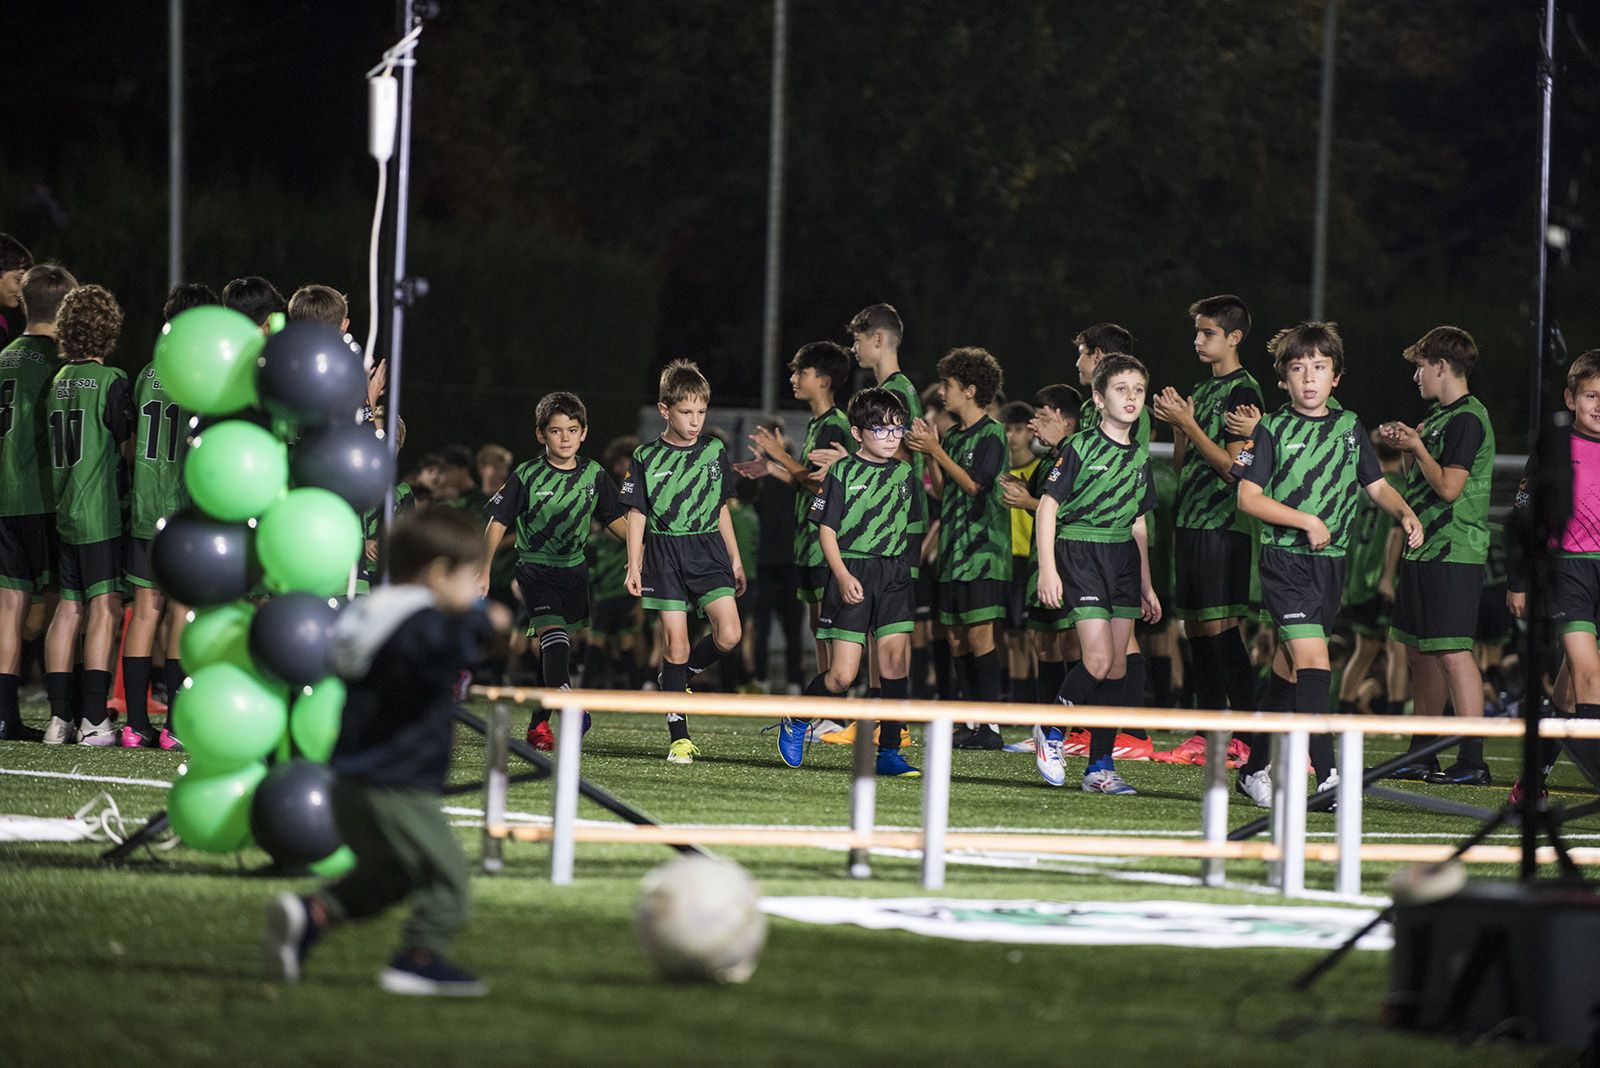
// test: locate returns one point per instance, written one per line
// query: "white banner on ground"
(1098, 923)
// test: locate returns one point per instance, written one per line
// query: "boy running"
(681, 545)
(549, 502)
(863, 514)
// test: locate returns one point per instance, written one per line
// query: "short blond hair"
(680, 380)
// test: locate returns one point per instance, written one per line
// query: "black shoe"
(18, 731)
(1418, 772)
(419, 972)
(985, 737)
(1461, 774)
(961, 736)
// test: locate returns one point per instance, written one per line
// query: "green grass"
(157, 962)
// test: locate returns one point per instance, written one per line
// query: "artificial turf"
(156, 962)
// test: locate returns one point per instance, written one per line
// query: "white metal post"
(1295, 751)
(496, 757)
(1348, 818)
(863, 797)
(1214, 816)
(935, 802)
(1275, 867)
(563, 843)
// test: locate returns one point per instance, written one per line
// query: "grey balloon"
(291, 815)
(201, 561)
(289, 637)
(347, 459)
(310, 374)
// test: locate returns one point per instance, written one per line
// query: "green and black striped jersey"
(1101, 486)
(829, 428)
(27, 370)
(1456, 532)
(550, 508)
(160, 442)
(868, 505)
(90, 415)
(1089, 418)
(975, 531)
(1314, 464)
(901, 386)
(1036, 484)
(1369, 542)
(1206, 500)
(679, 488)
(608, 567)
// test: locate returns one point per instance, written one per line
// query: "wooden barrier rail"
(1287, 853)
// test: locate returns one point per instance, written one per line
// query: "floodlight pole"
(774, 272)
(174, 143)
(1319, 225)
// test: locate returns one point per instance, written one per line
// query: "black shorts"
(29, 552)
(614, 615)
(1213, 574)
(1436, 605)
(1370, 618)
(1301, 593)
(90, 571)
(1099, 580)
(687, 571)
(1017, 599)
(813, 580)
(886, 605)
(974, 601)
(553, 596)
(136, 566)
(1494, 616)
(1576, 604)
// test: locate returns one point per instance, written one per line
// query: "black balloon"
(310, 374)
(289, 637)
(201, 561)
(350, 460)
(291, 815)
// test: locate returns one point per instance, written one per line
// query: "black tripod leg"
(143, 836)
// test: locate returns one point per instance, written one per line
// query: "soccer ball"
(700, 920)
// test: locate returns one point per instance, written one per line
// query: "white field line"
(79, 777)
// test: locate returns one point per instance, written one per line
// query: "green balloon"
(219, 635)
(210, 808)
(309, 540)
(236, 470)
(314, 719)
(206, 359)
(231, 716)
(335, 864)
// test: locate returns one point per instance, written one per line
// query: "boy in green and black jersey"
(1213, 554)
(160, 441)
(1369, 584)
(27, 500)
(864, 513)
(1298, 476)
(681, 546)
(90, 419)
(1450, 464)
(1093, 561)
(974, 522)
(549, 502)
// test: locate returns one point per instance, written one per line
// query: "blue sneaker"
(1106, 782)
(892, 765)
(792, 741)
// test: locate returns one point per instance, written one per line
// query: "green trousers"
(404, 851)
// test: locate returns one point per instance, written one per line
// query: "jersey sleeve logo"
(818, 503)
(1246, 458)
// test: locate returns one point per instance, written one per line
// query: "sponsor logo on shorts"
(1089, 597)
(1295, 615)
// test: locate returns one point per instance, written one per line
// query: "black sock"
(1471, 751)
(1022, 690)
(1052, 673)
(874, 692)
(136, 691)
(1133, 691)
(965, 684)
(1080, 686)
(175, 677)
(889, 729)
(703, 655)
(555, 649)
(1210, 689)
(1102, 740)
(10, 704)
(32, 658)
(1160, 675)
(58, 688)
(1394, 708)
(1277, 696)
(96, 684)
(1311, 695)
(77, 691)
(1346, 708)
(943, 670)
(1238, 677)
(919, 672)
(986, 677)
(675, 679)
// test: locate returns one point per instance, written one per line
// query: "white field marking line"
(79, 777)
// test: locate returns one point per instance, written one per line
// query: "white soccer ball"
(700, 920)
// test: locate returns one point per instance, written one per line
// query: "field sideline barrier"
(1287, 853)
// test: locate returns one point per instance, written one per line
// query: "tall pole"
(1547, 89)
(1319, 226)
(774, 274)
(174, 142)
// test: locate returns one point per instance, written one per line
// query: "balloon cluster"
(268, 518)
